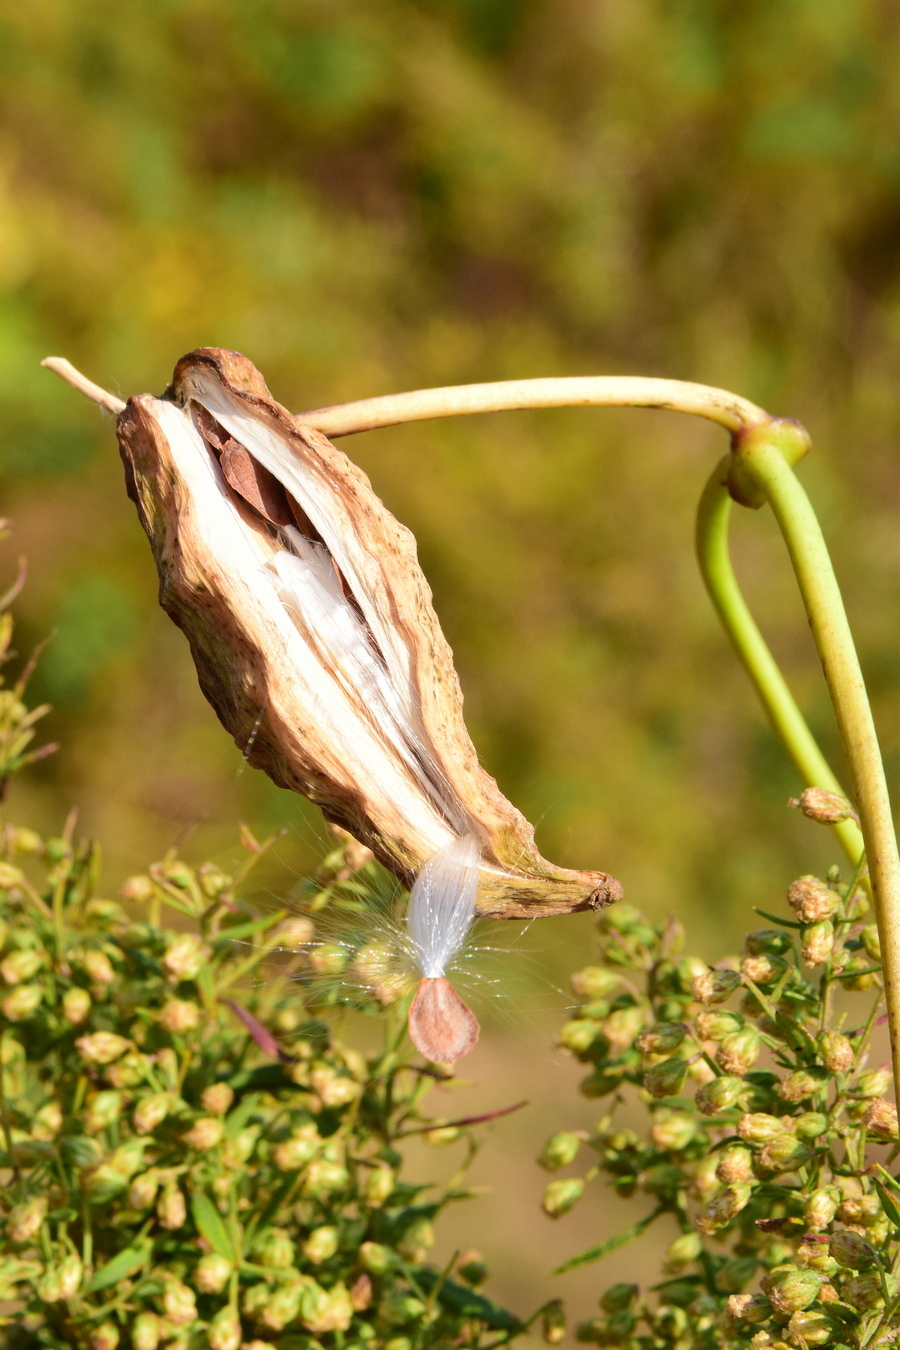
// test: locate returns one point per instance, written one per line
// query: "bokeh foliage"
(365, 198)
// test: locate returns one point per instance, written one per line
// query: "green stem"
(761, 458)
(718, 574)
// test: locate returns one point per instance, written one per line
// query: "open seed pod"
(313, 632)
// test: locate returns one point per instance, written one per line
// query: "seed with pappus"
(22, 1003)
(217, 1099)
(211, 1273)
(715, 986)
(76, 1006)
(224, 1331)
(811, 900)
(560, 1150)
(321, 1244)
(561, 1196)
(836, 1051)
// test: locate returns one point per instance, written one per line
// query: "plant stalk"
(761, 458)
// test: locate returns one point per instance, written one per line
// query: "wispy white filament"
(442, 905)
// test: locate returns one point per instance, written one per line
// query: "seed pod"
(672, 1130)
(739, 1051)
(105, 1336)
(723, 1207)
(553, 1322)
(205, 1133)
(376, 1258)
(852, 1251)
(685, 1249)
(313, 631)
(560, 1150)
(171, 1209)
(719, 1095)
(821, 1208)
(561, 1196)
(76, 1006)
(836, 1051)
(102, 1110)
(184, 956)
(146, 1331)
(24, 1221)
(102, 1047)
(321, 1244)
(818, 943)
(179, 1015)
(22, 1003)
(179, 1303)
(795, 1291)
(735, 1164)
(217, 1099)
(666, 1079)
(715, 986)
(881, 1120)
(211, 1273)
(224, 1331)
(811, 900)
(875, 1083)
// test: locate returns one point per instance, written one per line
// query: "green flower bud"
(803, 1083)
(102, 1110)
(472, 1267)
(185, 955)
(855, 973)
(852, 1251)
(321, 1244)
(836, 1051)
(821, 1208)
(723, 1207)
(813, 1328)
(763, 969)
(211, 1273)
(48, 1288)
(601, 1082)
(179, 1303)
(334, 1088)
(328, 958)
(236, 1150)
(794, 1291)
(749, 1307)
(103, 1183)
(376, 1258)
(818, 943)
(151, 1111)
(881, 1121)
(814, 1255)
(379, 1186)
(662, 1038)
(720, 1094)
(179, 1015)
(22, 1003)
(561, 1196)
(47, 1122)
(255, 1299)
(76, 1006)
(622, 1027)
(297, 1151)
(595, 982)
(618, 1297)
(864, 1292)
(553, 1322)
(145, 1331)
(142, 1191)
(715, 986)
(739, 1051)
(811, 900)
(783, 1154)
(324, 1177)
(758, 1128)
(828, 808)
(217, 1099)
(274, 1248)
(560, 1150)
(204, 1134)
(873, 1084)
(80, 1151)
(767, 942)
(24, 1221)
(170, 1207)
(872, 943)
(735, 1164)
(98, 967)
(672, 1130)
(716, 1024)
(224, 1331)
(69, 1275)
(810, 1125)
(683, 1250)
(105, 1336)
(399, 1308)
(417, 1241)
(735, 1274)
(663, 1179)
(20, 966)
(102, 1047)
(666, 1079)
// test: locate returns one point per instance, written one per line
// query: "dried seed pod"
(314, 635)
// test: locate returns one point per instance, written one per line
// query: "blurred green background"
(369, 197)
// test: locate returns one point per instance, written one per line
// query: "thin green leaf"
(242, 930)
(611, 1245)
(209, 1224)
(782, 923)
(124, 1263)
(456, 1298)
(888, 1204)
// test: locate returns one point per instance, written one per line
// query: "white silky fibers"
(442, 905)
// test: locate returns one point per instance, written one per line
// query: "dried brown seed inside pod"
(313, 632)
(441, 1025)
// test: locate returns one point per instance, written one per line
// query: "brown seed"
(441, 1027)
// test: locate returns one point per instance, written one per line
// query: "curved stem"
(762, 459)
(588, 391)
(718, 574)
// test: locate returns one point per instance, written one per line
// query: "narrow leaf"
(123, 1264)
(209, 1225)
(263, 1037)
(888, 1204)
(773, 918)
(466, 1302)
(611, 1245)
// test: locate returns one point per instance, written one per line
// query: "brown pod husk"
(441, 1026)
(233, 493)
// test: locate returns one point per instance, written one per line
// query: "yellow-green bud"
(561, 1196)
(735, 1164)
(852, 1251)
(723, 1207)
(810, 1125)
(128, 1157)
(47, 1122)
(274, 1248)
(323, 1177)
(796, 1290)
(577, 1035)
(69, 1274)
(205, 1133)
(560, 1150)
(295, 932)
(622, 1026)
(758, 1128)
(618, 1297)
(785, 1153)
(217, 1099)
(102, 1110)
(836, 1051)
(821, 1208)
(683, 1250)
(802, 1083)
(595, 982)
(739, 1051)
(179, 1015)
(818, 942)
(101, 1047)
(99, 967)
(24, 1221)
(21, 966)
(151, 1111)
(142, 1191)
(48, 1289)
(666, 1079)
(328, 958)
(376, 1258)
(720, 1094)
(237, 1150)
(764, 968)
(864, 1292)
(811, 900)
(379, 1185)
(321, 1244)
(871, 942)
(22, 1003)
(881, 1120)
(472, 1267)
(146, 1331)
(105, 1336)
(170, 1207)
(716, 1024)
(179, 1303)
(828, 808)
(284, 1304)
(211, 1273)
(334, 1088)
(874, 1083)
(298, 1151)
(812, 1328)
(553, 1322)
(715, 986)
(417, 1241)
(224, 1331)
(139, 889)
(185, 955)
(672, 1130)
(76, 1006)
(749, 1307)
(662, 1038)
